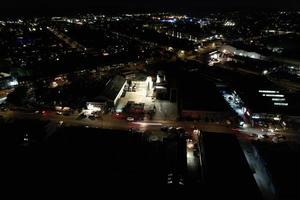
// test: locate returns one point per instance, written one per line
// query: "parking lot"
(140, 94)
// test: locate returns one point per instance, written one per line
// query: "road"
(108, 122)
(260, 173)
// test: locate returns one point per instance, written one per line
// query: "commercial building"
(240, 52)
(200, 100)
(109, 97)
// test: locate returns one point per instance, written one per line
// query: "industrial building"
(200, 100)
(109, 97)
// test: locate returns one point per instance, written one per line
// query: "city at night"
(139, 99)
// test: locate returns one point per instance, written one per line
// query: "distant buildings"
(240, 52)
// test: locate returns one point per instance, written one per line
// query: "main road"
(108, 122)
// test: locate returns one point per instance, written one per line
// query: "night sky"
(27, 7)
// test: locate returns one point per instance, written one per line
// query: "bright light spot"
(54, 84)
(196, 131)
(93, 108)
(265, 72)
(267, 91)
(283, 123)
(255, 117)
(278, 99)
(276, 118)
(13, 83)
(147, 124)
(273, 95)
(280, 104)
(244, 110)
(271, 130)
(190, 145)
(214, 56)
(229, 23)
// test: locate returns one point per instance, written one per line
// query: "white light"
(244, 109)
(190, 145)
(276, 118)
(214, 52)
(255, 117)
(273, 95)
(281, 104)
(13, 83)
(2, 100)
(229, 23)
(268, 91)
(245, 125)
(278, 99)
(214, 56)
(283, 123)
(93, 108)
(147, 123)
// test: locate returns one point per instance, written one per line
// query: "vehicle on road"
(130, 119)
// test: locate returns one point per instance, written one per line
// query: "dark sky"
(13, 7)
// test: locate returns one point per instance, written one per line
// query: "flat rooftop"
(199, 94)
(248, 86)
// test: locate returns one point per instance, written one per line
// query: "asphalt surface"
(108, 122)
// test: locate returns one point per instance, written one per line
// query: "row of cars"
(176, 130)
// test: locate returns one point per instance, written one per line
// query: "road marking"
(147, 123)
